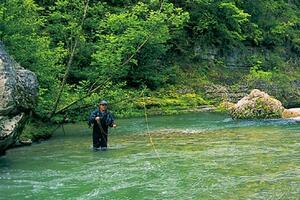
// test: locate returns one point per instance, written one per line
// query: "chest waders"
(100, 138)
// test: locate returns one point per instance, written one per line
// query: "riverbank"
(37, 131)
(195, 95)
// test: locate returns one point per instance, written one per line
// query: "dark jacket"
(106, 120)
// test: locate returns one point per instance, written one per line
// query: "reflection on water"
(200, 156)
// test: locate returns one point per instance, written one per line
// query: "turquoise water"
(191, 156)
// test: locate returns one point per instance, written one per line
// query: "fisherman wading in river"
(100, 119)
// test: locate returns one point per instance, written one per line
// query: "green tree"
(131, 45)
(220, 23)
(27, 41)
(278, 20)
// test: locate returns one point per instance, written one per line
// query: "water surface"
(191, 156)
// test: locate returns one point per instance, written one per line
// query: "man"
(101, 119)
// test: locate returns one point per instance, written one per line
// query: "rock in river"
(257, 105)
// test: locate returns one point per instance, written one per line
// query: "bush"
(37, 131)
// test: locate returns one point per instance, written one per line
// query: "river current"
(188, 156)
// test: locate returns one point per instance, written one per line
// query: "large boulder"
(257, 105)
(18, 95)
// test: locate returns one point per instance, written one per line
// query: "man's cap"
(103, 102)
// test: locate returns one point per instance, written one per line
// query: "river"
(191, 156)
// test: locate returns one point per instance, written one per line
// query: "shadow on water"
(195, 156)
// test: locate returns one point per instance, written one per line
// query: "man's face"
(102, 106)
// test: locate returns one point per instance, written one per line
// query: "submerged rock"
(257, 105)
(18, 94)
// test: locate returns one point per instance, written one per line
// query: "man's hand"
(97, 119)
(114, 125)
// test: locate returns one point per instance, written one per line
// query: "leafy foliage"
(132, 44)
(126, 45)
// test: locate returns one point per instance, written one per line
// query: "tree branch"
(91, 91)
(70, 61)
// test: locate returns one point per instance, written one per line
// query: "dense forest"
(169, 55)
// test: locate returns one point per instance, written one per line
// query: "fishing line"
(144, 103)
(147, 125)
(143, 96)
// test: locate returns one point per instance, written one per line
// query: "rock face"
(257, 105)
(18, 94)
